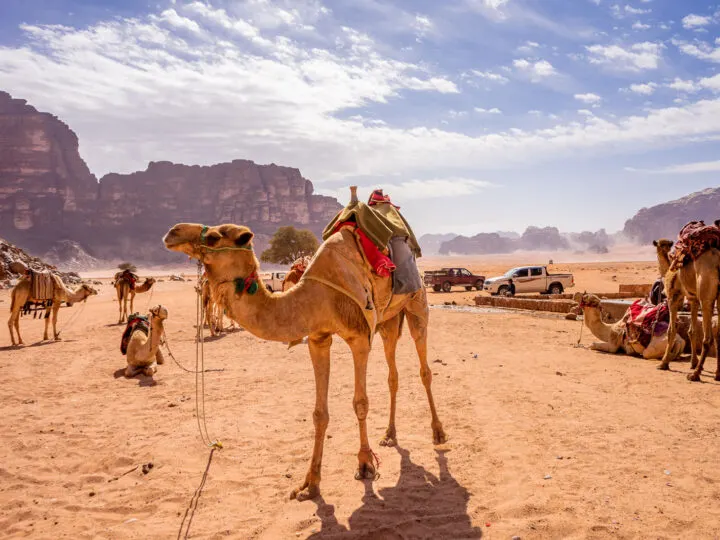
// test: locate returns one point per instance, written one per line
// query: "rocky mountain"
(14, 262)
(47, 194)
(533, 239)
(430, 243)
(665, 220)
(69, 255)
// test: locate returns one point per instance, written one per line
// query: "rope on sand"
(187, 520)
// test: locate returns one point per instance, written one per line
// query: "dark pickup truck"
(447, 278)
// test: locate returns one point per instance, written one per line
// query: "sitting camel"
(143, 350)
(125, 292)
(338, 294)
(22, 293)
(614, 336)
(699, 281)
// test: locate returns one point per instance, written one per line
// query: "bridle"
(248, 284)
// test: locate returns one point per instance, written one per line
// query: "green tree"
(289, 244)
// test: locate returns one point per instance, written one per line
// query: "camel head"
(160, 312)
(663, 245)
(89, 291)
(225, 250)
(150, 281)
(586, 300)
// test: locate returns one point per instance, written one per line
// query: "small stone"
(559, 373)
(667, 472)
(515, 538)
(288, 475)
(571, 317)
(28, 401)
(147, 467)
(329, 436)
(547, 477)
(91, 494)
(172, 404)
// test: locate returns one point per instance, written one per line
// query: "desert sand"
(546, 440)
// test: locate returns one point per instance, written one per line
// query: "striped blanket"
(42, 285)
(694, 239)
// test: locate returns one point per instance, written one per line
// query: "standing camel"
(143, 349)
(705, 289)
(338, 294)
(125, 292)
(678, 286)
(22, 293)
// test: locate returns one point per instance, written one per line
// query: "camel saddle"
(645, 320)
(42, 285)
(694, 239)
(135, 322)
(128, 276)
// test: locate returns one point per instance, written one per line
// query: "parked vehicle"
(447, 278)
(274, 280)
(530, 279)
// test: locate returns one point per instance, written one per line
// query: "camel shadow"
(143, 380)
(420, 505)
(36, 344)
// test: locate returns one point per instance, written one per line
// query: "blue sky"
(475, 115)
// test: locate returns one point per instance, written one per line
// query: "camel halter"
(248, 284)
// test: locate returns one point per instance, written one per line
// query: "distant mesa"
(48, 194)
(665, 220)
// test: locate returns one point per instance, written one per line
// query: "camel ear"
(717, 222)
(244, 239)
(655, 243)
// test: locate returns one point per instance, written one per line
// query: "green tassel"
(253, 287)
(239, 285)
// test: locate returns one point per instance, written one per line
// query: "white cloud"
(590, 99)
(536, 70)
(700, 49)
(528, 47)
(486, 75)
(636, 11)
(215, 99)
(619, 11)
(645, 89)
(637, 25)
(494, 110)
(682, 86)
(696, 21)
(585, 112)
(704, 83)
(423, 26)
(684, 168)
(638, 57)
(171, 17)
(495, 4)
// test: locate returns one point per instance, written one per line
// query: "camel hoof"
(694, 377)
(694, 364)
(439, 436)
(663, 367)
(149, 372)
(365, 471)
(304, 493)
(388, 441)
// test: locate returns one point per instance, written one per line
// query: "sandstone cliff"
(48, 194)
(666, 220)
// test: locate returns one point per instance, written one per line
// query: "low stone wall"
(639, 291)
(530, 304)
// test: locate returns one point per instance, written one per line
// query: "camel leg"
(14, 322)
(131, 371)
(418, 331)
(118, 289)
(694, 308)
(46, 335)
(707, 289)
(55, 311)
(159, 358)
(604, 347)
(320, 354)
(674, 304)
(390, 333)
(132, 302)
(360, 347)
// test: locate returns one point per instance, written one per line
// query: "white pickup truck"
(273, 280)
(529, 279)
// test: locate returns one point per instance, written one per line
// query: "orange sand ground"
(546, 440)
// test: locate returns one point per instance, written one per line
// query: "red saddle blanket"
(381, 263)
(694, 239)
(645, 320)
(135, 322)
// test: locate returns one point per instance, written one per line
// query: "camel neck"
(272, 316)
(663, 262)
(594, 322)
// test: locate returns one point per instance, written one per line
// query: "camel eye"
(212, 238)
